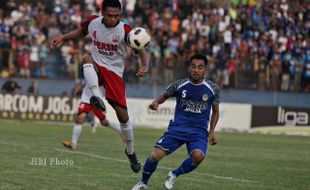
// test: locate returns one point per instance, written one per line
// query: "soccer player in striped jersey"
(195, 97)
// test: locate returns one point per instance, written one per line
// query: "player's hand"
(57, 41)
(212, 138)
(154, 105)
(142, 71)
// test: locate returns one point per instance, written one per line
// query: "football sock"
(186, 167)
(148, 169)
(76, 133)
(91, 79)
(127, 130)
(114, 126)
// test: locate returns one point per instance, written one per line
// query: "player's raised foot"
(170, 180)
(97, 103)
(139, 186)
(69, 145)
(134, 162)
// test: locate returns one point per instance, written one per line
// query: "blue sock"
(186, 167)
(148, 169)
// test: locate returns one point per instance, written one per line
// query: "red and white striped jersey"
(108, 43)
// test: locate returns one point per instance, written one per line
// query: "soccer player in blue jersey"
(195, 97)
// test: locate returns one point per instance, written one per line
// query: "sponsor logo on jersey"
(193, 106)
(105, 46)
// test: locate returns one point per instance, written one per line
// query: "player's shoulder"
(94, 18)
(127, 28)
(181, 82)
(212, 84)
(173, 87)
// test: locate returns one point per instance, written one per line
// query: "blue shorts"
(170, 142)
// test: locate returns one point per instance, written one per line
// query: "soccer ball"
(138, 38)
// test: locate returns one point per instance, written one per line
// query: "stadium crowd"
(250, 44)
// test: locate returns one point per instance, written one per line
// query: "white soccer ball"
(138, 38)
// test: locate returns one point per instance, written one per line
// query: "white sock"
(76, 133)
(91, 79)
(127, 130)
(114, 126)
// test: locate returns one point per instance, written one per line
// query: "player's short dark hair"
(201, 57)
(111, 3)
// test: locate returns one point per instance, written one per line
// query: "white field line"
(161, 167)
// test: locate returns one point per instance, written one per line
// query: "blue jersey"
(193, 105)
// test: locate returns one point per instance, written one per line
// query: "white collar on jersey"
(196, 84)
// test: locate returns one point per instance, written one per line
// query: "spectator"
(11, 86)
(240, 27)
(33, 88)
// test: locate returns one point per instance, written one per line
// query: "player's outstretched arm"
(155, 104)
(143, 64)
(214, 119)
(59, 40)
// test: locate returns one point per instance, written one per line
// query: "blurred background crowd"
(250, 44)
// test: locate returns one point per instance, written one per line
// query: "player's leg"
(149, 168)
(104, 122)
(115, 127)
(90, 71)
(127, 130)
(165, 145)
(115, 94)
(76, 132)
(197, 149)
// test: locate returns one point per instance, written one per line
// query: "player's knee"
(123, 119)
(197, 157)
(104, 122)
(79, 119)
(121, 113)
(87, 59)
(158, 154)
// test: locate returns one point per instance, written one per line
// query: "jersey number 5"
(183, 93)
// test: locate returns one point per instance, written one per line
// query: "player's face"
(111, 16)
(197, 70)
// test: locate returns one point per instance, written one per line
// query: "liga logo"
(205, 97)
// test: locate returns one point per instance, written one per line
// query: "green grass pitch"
(239, 162)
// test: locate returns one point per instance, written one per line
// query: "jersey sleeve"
(84, 25)
(127, 29)
(216, 90)
(172, 88)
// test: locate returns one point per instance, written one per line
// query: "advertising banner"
(263, 116)
(232, 116)
(62, 109)
(44, 108)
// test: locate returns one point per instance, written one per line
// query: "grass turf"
(239, 162)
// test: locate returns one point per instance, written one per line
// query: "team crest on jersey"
(115, 38)
(205, 97)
